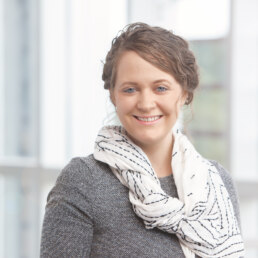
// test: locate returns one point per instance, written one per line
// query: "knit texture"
(88, 214)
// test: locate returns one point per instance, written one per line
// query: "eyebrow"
(128, 83)
(135, 83)
(162, 80)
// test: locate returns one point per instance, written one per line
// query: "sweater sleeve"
(68, 222)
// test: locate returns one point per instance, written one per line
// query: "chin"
(147, 139)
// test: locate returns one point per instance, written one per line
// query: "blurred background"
(52, 101)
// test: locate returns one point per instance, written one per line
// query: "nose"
(146, 101)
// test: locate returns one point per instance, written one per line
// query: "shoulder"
(82, 179)
(87, 175)
(225, 175)
(230, 186)
(81, 169)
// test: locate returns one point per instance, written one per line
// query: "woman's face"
(147, 100)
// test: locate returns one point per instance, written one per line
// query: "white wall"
(244, 118)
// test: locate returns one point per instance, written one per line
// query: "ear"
(183, 98)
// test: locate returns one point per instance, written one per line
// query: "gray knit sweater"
(88, 214)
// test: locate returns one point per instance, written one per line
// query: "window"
(208, 122)
(52, 103)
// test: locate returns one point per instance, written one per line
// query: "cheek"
(172, 109)
(122, 110)
(170, 105)
(124, 104)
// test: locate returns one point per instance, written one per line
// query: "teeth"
(148, 119)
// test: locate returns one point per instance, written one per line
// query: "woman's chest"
(119, 232)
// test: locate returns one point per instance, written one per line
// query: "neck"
(160, 156)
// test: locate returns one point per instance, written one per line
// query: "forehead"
(132, 66)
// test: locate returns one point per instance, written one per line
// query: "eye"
(161, 88)
(129, 90)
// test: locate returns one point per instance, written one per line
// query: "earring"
(187, 101)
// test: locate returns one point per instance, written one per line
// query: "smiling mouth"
(148, 119)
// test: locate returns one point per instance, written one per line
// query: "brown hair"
(158, 46)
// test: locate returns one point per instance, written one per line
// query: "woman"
(179, 204)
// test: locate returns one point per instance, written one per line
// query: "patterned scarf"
(202, 217)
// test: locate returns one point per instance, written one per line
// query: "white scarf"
(202, 218)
